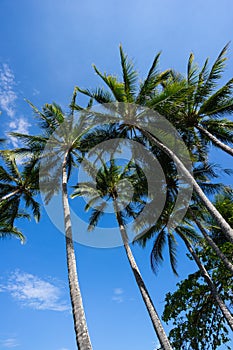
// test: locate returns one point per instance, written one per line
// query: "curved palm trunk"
(143, 290)
(225, 227)
(215, 141)
(9, 195)
(212, 244)
(225, 311)
(80, 325)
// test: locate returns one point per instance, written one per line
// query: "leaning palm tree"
(189, 236)
(112, 184)
(126, 92)
(196, 215)
(201, 111)
(187, 232)
(205, 232)
(56, 151)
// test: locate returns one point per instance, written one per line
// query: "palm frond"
(117, 88)
(99, 95)
(129, 76)
(156, 256)
(96, 215)
(153, 79)
(172, 251)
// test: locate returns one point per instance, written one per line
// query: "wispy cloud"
(8, 96)
(118, 295)
(9, 343)
(35, 92)
(21, 126)
(31, 291)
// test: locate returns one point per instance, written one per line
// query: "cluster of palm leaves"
(198, 110)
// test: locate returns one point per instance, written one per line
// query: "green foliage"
(198, 323)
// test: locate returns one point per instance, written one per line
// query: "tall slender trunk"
(225, 227)
(80, 325)
(141, 285)
(225, 311)
(214, 140)
(9, 195)
(212, 244)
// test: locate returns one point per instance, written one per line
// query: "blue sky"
(48, 47)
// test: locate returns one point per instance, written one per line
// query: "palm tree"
(18, 185)
(200, 111)
(202, 173)
(126, 92)
(225, 311)
(196, 219)
(111, 185)
(56, 151)
(189, 236)
(6, 227)
(196, 213)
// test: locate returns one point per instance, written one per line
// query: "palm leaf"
(117, 88)
(129, 76)
(156, 256)
(172, 252)
(96, 215)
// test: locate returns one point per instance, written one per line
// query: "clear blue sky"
(47, 47)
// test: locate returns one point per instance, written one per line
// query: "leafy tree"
(198, 321)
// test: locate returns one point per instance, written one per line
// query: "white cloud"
(34, 292)
(7, 94)
(118, 295)
(9, 343)
(35, 92)
(21, 126)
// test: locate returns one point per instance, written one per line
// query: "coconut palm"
(187, 233)
(112, 184)
(6, 227)
(200, 113)
(201, 226)
(56, 151)
(189, 236)
(18, 185)
(196, 213)
(126, 91)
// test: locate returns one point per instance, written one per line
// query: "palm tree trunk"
(212, 244)
(225, 311)
(9, 195)
(215, 141)
(141, 285)
(225, 227)
(80, 325)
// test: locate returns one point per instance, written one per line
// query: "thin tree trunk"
(9, 195)
(80, 325)
(215, 141)
(143, 290)
(212, 244)
(225, 311)
(225, 227)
